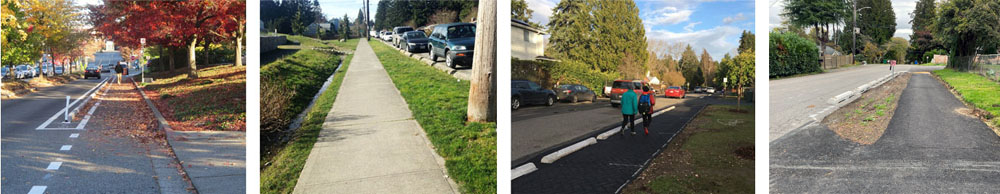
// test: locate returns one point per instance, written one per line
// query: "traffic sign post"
(142, 71)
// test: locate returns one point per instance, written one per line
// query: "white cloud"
(735, 18)
(668, 18)
(690, 26)
(714, 40)
(542, 10)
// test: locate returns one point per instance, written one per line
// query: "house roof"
(525, 25)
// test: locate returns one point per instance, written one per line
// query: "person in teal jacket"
(630, 106)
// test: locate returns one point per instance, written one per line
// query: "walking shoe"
(633, 132)
(647, 130)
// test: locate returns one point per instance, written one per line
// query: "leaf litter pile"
(123, 114)
(865, 120)
(215, 101)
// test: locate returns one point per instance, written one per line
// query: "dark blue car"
(454, 42)
(416, 41)
(527, 92)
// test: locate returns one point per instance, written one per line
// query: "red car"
(620, 86)
(675, 91)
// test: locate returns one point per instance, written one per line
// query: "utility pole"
(482, 104)
(367, 30)
(854, 33)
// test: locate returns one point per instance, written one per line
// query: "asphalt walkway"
(929, 147)
(370, 142)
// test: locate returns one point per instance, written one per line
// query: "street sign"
(725, 79)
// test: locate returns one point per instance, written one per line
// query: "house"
(526, 42)
(313, 29)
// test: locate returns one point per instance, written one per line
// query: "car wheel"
(434, 57)
(614, 105)
(593, 99)
(551, 101)
(515, 103)
(447, 60)
(574, 99)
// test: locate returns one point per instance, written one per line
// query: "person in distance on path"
(629, 108)
(118, 71)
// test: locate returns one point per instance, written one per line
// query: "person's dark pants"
(630, 120)
(647, 118)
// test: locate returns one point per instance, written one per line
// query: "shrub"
(549, 74)
(791, 54)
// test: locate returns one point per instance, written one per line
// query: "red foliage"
(168, 23)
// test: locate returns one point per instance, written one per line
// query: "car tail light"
(460, 54)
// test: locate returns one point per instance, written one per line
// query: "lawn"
(714, 154)
(439, 104)
(216, 100)
(282, 163)
(976, 90)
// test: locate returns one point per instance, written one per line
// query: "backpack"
(644, 103)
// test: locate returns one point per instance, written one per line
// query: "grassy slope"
(285, 164)
(711, 165)
(439, 104)
(976, 90)
(216, 100)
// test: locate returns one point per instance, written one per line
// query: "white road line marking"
(74, 135)
(66, 147)
(54, 166)
(37, 190)
(60, 113)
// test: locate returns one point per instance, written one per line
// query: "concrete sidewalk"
(370, 142)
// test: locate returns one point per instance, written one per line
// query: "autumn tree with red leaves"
(171, 24)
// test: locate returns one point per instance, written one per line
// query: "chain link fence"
(986, 65)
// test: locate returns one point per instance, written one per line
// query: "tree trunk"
(239, 51)
(483, 90)
(193, 72)
(171, 52)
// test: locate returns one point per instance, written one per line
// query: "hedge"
(791, 54)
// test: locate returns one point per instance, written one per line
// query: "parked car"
(92, 70)
(698, 89)
(455, 42)
(574, 93)
(35, 71)
(415, 41)
(619, 87)
(58, 70)
(3, 72)
(675, 91)
(710, 90)
(22, 71)
(397, 34)
(525, 92)
(106, 67)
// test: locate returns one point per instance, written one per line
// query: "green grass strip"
(976, 90)
(438, 102)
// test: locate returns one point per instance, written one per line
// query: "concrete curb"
(548, 159)
(440, 66)
(848, 96)
(522, 170)
(169, 132)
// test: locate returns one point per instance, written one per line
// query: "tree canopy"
(965, 35)
(878, 21)
(604, 34)
(392, 13)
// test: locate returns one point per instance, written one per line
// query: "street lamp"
(856, 30)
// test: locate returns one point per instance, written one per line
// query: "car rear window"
(621, 84)
(401, 30)
(415, 35)
(565, 86)
(674, 87)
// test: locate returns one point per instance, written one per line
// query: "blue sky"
(714, 25)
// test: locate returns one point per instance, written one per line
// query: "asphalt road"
(797, 101)
(928, 147)
(538, 128)
(92, 164)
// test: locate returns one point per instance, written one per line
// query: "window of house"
(527, 37)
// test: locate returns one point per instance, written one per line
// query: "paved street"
(606, 167)
(539, 128)
(93, 160)
(929, 147)
(797, 101)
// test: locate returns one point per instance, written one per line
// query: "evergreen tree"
(691, 67)
(746, 42)
(708, 67)
(818, 14)
(520, 11)
(922, 40)
(877, 22)
(604, 34)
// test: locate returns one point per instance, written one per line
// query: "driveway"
(798, 101)
(929, 147)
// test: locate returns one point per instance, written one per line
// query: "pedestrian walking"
(118, 71)
(646, 103)
(629, 108)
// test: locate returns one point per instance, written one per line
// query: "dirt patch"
(745, 152)
(865, 120)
